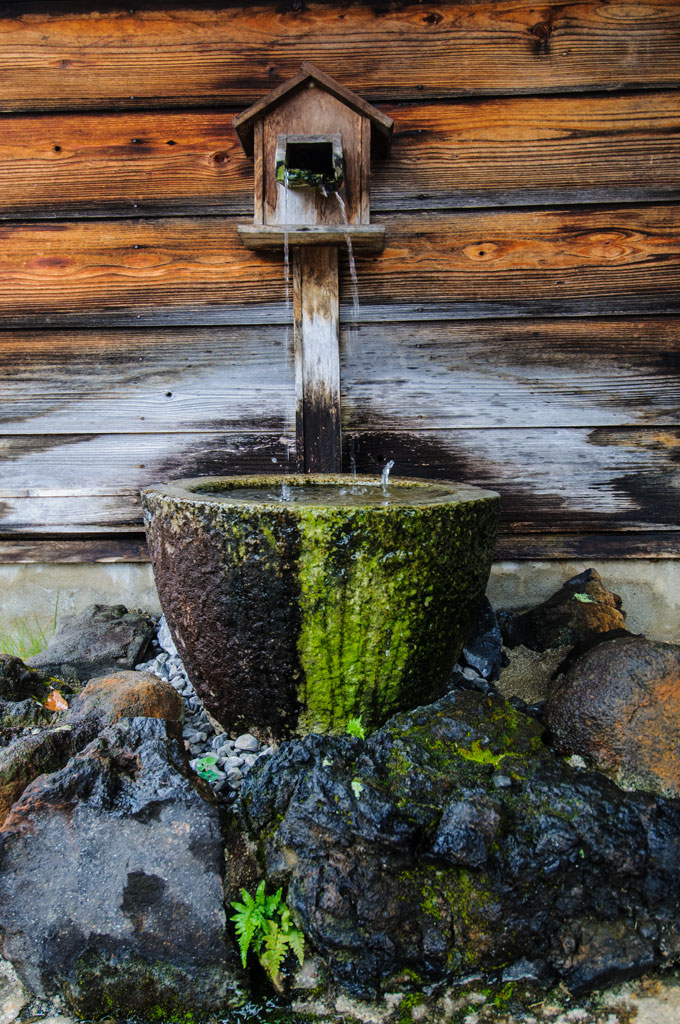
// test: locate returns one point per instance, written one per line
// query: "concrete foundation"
(650, 589)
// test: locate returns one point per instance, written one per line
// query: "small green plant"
(355, 728)
(584, 598)
(205, 767)
(264, 923)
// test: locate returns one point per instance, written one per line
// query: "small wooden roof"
(382, 124)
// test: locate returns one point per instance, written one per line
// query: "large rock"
(101, 639)
(453, 841)
(111, 881)
(619, 705)
(582, 608)
(102, 703)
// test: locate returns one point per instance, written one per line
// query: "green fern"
(264, 922)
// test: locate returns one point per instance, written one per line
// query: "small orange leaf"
(55, 702)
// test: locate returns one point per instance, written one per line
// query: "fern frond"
(264, 924)
(275, 949)
(272, 903)
(296, 941)
(248, 919)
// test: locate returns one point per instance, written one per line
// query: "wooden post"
(316, 309)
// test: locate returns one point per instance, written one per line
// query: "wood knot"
(433, 18)
(541, 31)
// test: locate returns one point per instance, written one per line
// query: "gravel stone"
(233, 762)
(246, 742)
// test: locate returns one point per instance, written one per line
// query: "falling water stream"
(286, 267)
(352, 266)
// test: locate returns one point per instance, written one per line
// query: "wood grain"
(90, 483)
(506, 151)
(94, 55)
(317, 359)
(499, 373)
(132, 381)
(550, 479)
(467, 264)
(505, 373)
(531, 150)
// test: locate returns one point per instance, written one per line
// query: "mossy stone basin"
(296, 607)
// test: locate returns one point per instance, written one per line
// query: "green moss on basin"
(295, 614)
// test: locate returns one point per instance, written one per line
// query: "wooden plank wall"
(521, 329)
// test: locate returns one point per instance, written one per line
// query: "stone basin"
(299, 602)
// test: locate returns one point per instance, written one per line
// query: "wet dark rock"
(606, 953)
(27, 757)
(470, 680)
(619, 706)
(404, 856)
(101, 639)
(111, 881)
(580, 609)
(22, 714)
(101, 703)
(18, 682)
(483, 649)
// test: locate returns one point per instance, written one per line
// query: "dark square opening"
(312, 157)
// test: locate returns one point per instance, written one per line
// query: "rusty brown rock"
(107, 699)
(619, 706)
(580, 610)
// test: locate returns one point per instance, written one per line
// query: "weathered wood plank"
(317, 359)
(467, 264)
(108, 464)
(498, 373)
(533, 150)
(622, 545)
(122, 164)
(67, 382)
(125, 547)
(131, 547)
(504, 373)
(551, 480)
(94, 55)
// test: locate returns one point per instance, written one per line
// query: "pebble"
(470, 673)
(235, 756)
(233, 762)
(246, 742)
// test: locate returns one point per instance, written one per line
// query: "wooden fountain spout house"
(312, 141)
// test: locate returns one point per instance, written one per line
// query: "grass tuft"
(27, 637)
